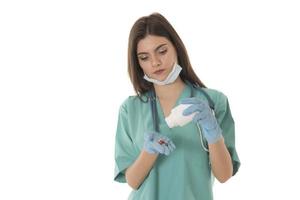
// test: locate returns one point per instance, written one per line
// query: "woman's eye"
(143, 58)
(163, 51)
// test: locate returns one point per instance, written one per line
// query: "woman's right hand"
(155, 143)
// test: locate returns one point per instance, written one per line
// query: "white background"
(63, 76)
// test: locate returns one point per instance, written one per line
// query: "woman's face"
(156, 56)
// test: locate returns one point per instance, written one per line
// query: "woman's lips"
(158, 72)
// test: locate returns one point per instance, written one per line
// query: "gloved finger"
(165, 138)
(161, 140)
(171, 146)
(198, 117)
(167, 146)
(193, 108)
(158, 147)
(167, 151)
(192, 100)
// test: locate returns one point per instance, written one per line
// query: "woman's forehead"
(151, 42)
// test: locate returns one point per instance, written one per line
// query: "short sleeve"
(124, 148)
(226, 122)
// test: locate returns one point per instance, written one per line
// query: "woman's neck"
(170, 91)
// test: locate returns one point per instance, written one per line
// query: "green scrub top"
(186, 172)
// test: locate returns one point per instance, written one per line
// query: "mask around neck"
(170, 78)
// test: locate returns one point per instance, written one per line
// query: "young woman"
(162, 163)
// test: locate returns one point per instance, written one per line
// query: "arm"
(220, 161)
(220, 158)
(136, 173)
(154, 144)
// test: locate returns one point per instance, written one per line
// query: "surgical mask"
(170, 78)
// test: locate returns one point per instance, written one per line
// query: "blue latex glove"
(205, 117)
(155, 143)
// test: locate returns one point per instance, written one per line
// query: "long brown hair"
(156, 24)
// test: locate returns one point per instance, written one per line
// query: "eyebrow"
(154, 50)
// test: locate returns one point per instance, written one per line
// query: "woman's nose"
(156, 61)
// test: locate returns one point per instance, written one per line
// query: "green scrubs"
(186, 172)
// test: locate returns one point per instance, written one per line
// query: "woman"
(159, 162)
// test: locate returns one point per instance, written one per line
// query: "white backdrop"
(63, 76)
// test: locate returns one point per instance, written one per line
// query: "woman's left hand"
(205, 117)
